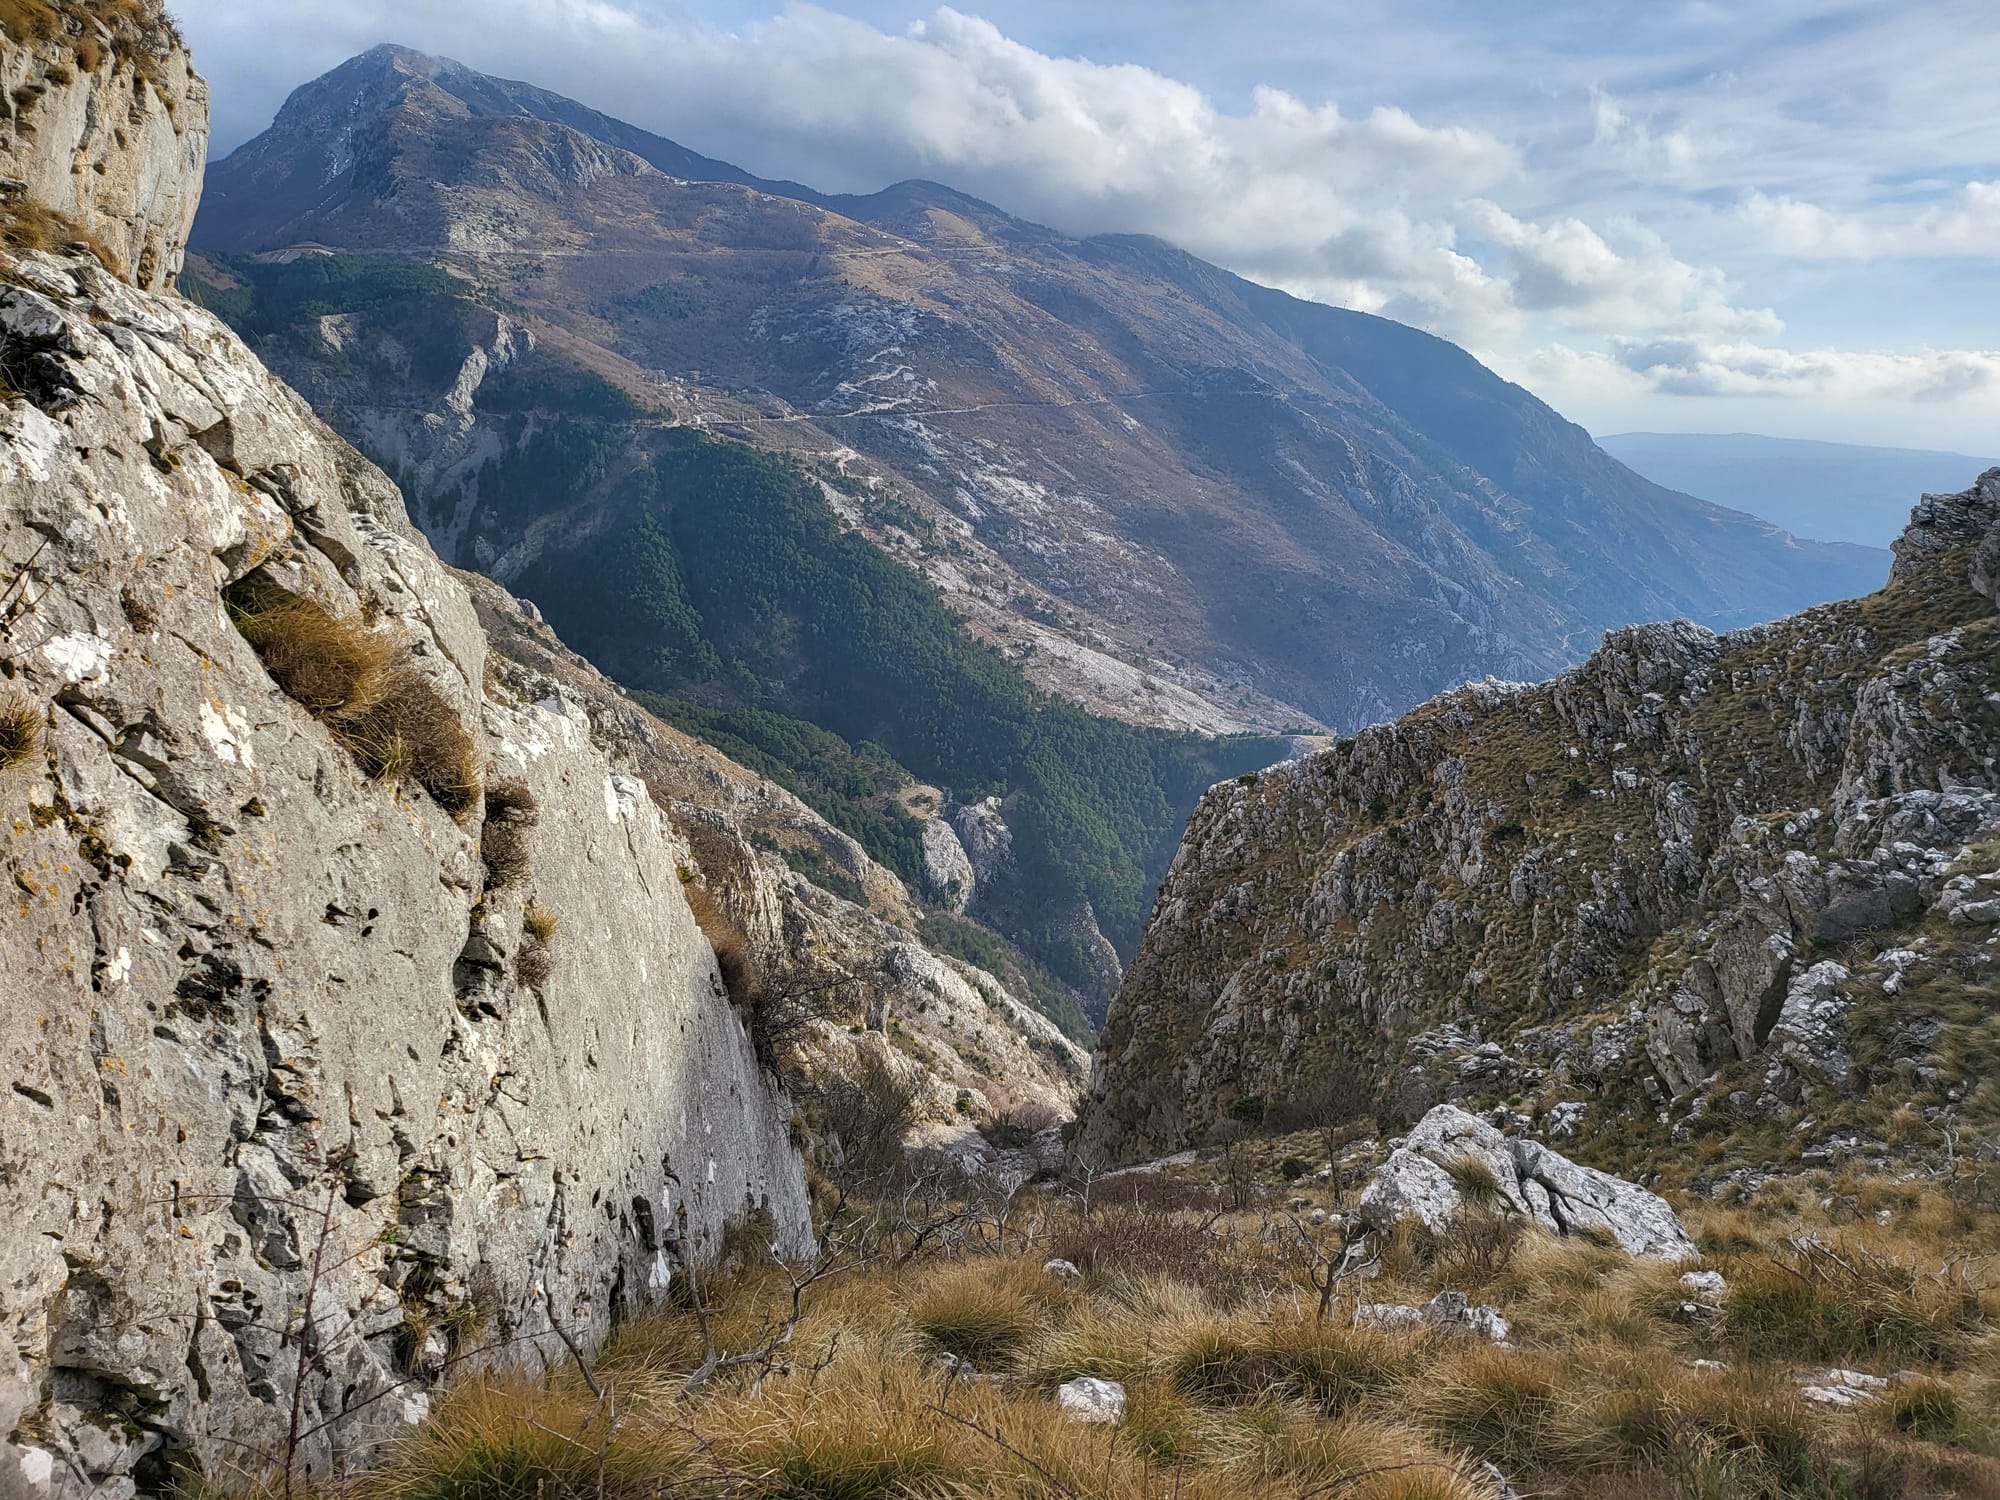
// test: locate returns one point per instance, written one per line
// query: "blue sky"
(1688, 215)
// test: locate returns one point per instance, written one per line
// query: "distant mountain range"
(1198, 500)
(1835, 492)
(880, 494)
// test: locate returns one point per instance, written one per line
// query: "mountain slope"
(290, 1064)
(1840, 492)
(363, 992)
(1737, 891)
(1173, 495)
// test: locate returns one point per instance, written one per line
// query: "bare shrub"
(511, 810)
(865, 1116)
(787, 1007)
(1145, 1243)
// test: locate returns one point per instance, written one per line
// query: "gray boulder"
(1453, 1164)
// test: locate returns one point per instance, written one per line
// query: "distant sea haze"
(1829, 492)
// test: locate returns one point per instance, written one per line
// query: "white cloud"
(1697, 367)
(1638, 145)
(1570, 270)
(1969, 227)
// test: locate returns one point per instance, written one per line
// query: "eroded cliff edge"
(265, 994)
(1708, 903)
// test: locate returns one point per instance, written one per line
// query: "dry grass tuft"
(1812, 1301)
(1475, 1180)
(21, 720)
(732, 947)
(539, 923)
(334, 668)
(977, 1315)
(429, 742)
(511, 810)
(509, 1439)
(1329, 1367)
(535, 958)
(360, 683)
(1498, 1403)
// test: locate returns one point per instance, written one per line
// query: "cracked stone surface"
(257, 1007)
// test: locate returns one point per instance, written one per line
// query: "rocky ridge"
(1734, 891)
(104, 122)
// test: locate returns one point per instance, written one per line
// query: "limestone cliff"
(1738, 891)
(104, 122)
(410, 995)
(805, 895)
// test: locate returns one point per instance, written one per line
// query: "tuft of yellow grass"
(979, 1312)
(539, 923)
(334, 668)
(500, 1437)
(361, 684)
(21, 720)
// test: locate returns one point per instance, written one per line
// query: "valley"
(670, 836)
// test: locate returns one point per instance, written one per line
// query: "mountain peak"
(301, 166)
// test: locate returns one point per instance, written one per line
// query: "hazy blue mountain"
(1833, 492)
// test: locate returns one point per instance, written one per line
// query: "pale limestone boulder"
(1088, 1399)
(1422, 1182)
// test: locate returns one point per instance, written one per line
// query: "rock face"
(1696, 882)
(977, 1046)
(1454, 1163)
(110, 130)
(259, 1007)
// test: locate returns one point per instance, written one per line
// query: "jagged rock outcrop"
(104, 121)
(279, 990)
(1454, 1164)
(1697, 883)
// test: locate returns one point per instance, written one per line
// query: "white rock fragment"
(1704, 1286)
(1842, 1388)
(1423, 1180)
(1088, 1399)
